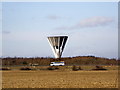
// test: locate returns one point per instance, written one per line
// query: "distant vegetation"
(78, 60)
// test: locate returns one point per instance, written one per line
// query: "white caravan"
(57, 63)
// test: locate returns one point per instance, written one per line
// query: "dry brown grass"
(60, 79)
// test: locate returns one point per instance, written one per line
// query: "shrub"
(52, 67)
(80, 68)
(6, 68)
(99, 68)
(25, 68)
(74, 68)
(56, 67)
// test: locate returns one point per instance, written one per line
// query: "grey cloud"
(95, 21)
(90, 22)
(6, 32)
(53, 17)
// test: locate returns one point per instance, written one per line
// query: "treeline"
(78, 60)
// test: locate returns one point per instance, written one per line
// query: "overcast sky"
(91, 27)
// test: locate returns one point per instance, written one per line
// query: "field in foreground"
(59, 79)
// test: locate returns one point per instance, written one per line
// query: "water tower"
(57, 44)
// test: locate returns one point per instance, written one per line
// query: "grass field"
(62, 78)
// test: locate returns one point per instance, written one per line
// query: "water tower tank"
(57, 44)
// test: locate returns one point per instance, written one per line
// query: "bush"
(56, 67)
(52, 67)
(80, 68)
(25, 68)
(75, 68)
(99, 68)
(6, 68)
